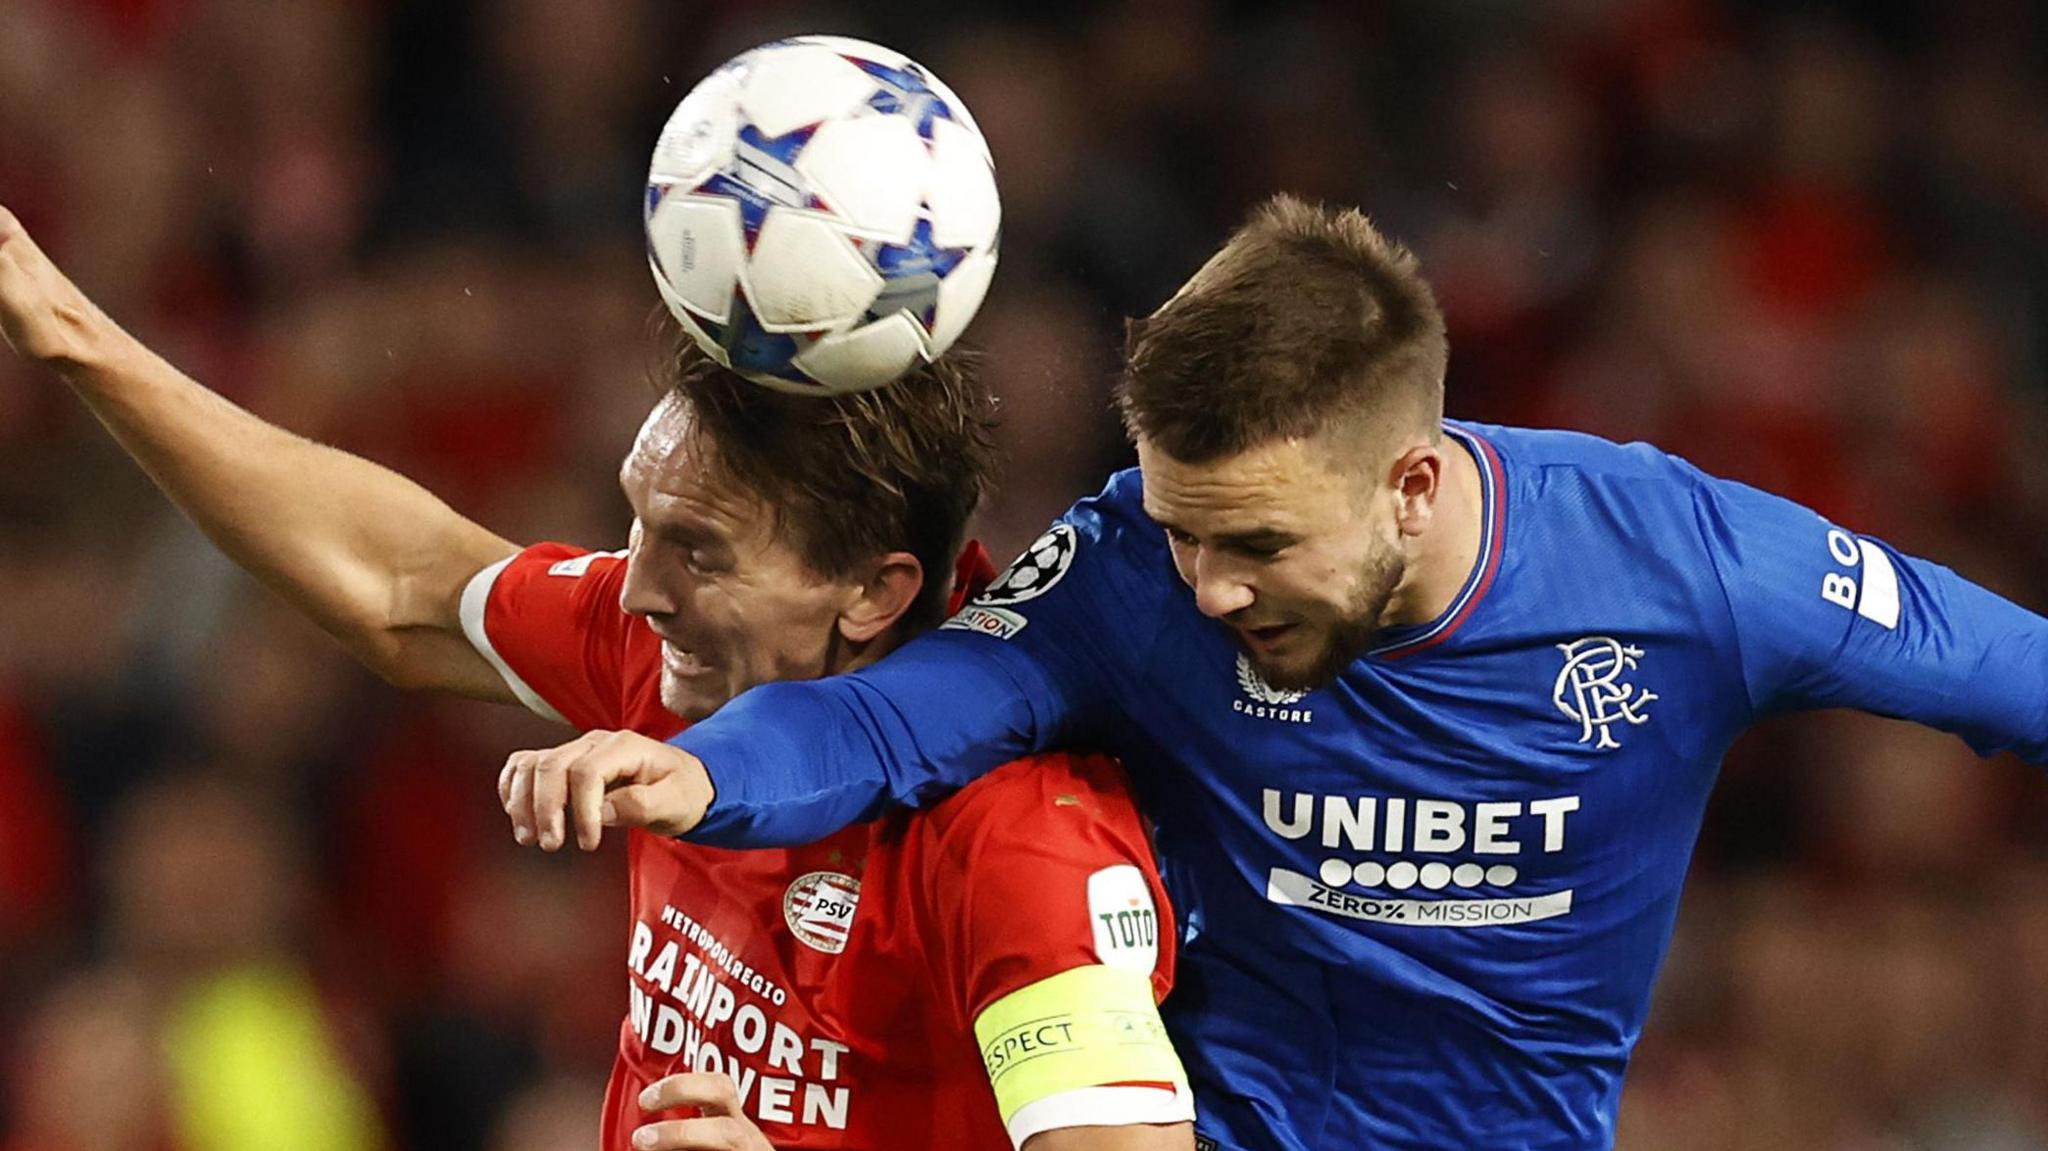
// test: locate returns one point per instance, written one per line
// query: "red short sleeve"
(1042, 866)
(549, 620)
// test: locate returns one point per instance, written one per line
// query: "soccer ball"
(821, 215)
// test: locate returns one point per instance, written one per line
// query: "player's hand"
(43, 316)
(720, 1126)
(602, 779)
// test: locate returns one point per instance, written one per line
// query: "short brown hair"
(1307, 316)
(898, 468)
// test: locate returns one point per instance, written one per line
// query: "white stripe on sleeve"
(1116, 1106)
(475, 597)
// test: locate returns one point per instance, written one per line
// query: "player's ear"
(1416, 477)
(889, 585)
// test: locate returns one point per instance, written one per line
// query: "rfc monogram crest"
(1591, 690)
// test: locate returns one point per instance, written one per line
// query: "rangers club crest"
(819, 909)
(1590, 690)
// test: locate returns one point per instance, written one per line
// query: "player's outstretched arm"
(1043, 658)
(1824, 617)
(375, 559)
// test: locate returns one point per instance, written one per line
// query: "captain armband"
(1085, 1027)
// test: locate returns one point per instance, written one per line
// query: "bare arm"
(1137, 1137)
(373, 558)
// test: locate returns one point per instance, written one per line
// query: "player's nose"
(1219, 592)
(640, 593)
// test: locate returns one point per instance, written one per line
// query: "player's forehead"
(672, 478)
(1270, 487)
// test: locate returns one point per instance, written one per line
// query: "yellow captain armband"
(1085, 1027)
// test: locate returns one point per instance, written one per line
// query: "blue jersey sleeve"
(1031, 662)
(1824, 617)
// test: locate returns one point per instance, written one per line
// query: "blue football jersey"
(1423, 905)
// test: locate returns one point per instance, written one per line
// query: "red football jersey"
(840, 984)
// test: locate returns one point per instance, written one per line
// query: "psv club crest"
(819, 909)
(1593, 689)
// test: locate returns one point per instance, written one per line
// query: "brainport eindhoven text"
(780, 1077)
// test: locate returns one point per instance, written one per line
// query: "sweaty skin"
(373, 558)
(1308, 562)
(1263, 539)
(381, 563)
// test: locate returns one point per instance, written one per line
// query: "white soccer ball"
(822, 214)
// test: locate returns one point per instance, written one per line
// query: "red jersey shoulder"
(550, 619)
(1026, 797)
(1040, 866)
(564, 575)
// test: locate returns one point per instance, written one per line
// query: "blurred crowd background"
(251, 899)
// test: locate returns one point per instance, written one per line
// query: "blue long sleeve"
(794, 762)
(1039, 656)
(1824, 617)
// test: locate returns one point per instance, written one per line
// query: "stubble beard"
(679, 700)
(1350, 636)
